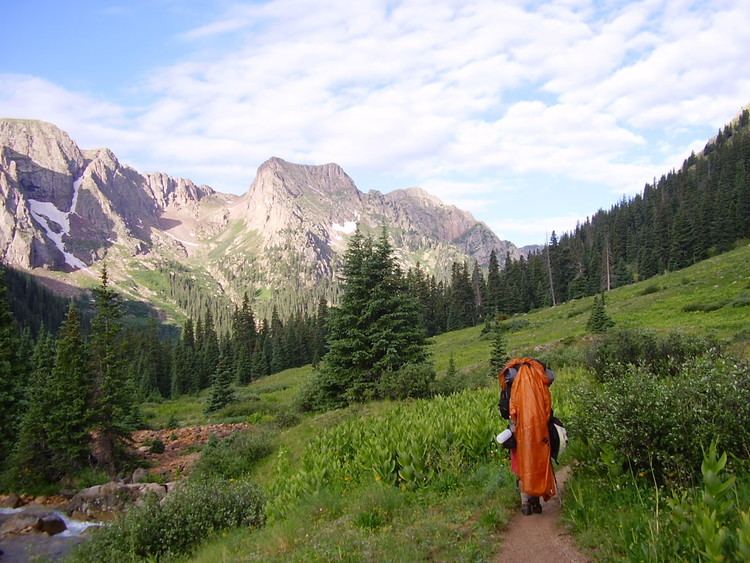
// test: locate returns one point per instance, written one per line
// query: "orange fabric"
(530, 410)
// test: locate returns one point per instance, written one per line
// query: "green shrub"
(287, 419)
(660, 355)
(703, 307)
(189, 515)
(742, 300)
(243, 409)
(658, 424)
(564, 354)
(413, 381)
(233, 457)
(513, 325)
(156, 446)
(650, 289)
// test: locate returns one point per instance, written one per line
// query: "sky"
(531, 115)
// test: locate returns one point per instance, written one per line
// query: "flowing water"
(26, 547)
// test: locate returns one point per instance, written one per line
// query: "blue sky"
(531, 115)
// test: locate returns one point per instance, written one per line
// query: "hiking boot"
(526, 509)
(536, 506)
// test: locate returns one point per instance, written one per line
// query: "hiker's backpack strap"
(506, 382)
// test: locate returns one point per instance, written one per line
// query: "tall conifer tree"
(112, 400)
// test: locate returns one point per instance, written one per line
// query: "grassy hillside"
(460, 515)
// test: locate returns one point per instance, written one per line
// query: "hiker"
(525, 401)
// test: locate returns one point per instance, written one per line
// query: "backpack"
(558, 436)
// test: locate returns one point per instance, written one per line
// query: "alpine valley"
(66, 210)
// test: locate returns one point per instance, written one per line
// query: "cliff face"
(316, 207)
(65, 209)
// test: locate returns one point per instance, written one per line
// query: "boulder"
(139, 475)
(51, 525)
(104, 502)
(19, 523)
(10, 501)
(34, 519)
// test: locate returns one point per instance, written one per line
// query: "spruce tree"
(68, 420)
(31, 462)
(209, 351)
(112, 398)
(12, 381)
(221, 387)
(499, 353)
(599, 321)
(493, 285)
(451, 372)
(375, 329)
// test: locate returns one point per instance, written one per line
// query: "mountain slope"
(66, 209)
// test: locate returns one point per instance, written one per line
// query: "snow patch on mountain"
(45, 213)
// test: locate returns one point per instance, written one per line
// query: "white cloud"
(534, 230)
(441, 93)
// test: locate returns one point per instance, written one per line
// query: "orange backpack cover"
(530, 410)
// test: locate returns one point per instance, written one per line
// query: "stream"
(28, 547)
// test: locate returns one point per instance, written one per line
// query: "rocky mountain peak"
(44, 143)
(296, 179)
(417, 194)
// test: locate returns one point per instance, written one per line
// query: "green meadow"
(460, 510)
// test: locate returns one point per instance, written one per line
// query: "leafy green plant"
(156, 446)
(410, 382)
(611, 353)
(704, 306)
(233, 457)
(188, 515)
(405, 447)
(657, 424)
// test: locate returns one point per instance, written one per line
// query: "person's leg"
(536, 505)
(526, 507)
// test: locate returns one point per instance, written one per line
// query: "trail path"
(540, 538)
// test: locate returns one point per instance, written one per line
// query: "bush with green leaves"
(705, 524)
(625, 517)
(233, 457)
(649, 351)
(413, 381)
(156, 446)
(658, 424)
(408, 447)
(189, 515)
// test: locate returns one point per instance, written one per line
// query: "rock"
(10, 501)
(19, 524)
(51, 525)
(33, 519)
(104, 502)
(139, 475)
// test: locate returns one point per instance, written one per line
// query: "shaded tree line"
(686, 216)
(68, 402)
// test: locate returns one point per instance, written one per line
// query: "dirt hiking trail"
(540, 538)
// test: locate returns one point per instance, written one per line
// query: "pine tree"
(221, 387)
(112, 400)
(209, 351)
(243, 331)
(12, 381)
(374, 330)
(493, 285)
(499, 354)
(67, 421)
(31, 462)
(599, 321)
(451, 372)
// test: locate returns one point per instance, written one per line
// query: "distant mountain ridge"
(65, 209)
